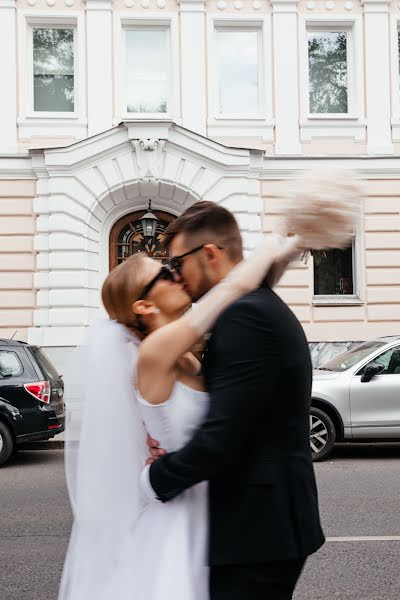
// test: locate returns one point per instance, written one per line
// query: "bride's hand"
(287, 249)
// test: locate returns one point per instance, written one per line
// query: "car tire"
(322, 434)
(7, 443)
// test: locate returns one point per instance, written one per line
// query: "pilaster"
(377, 76)
(286, 61)
(9, 101)
(193, 65)
(99, 65)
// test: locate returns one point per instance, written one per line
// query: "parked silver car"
(356, 397)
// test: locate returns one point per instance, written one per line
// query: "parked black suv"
(31, 397)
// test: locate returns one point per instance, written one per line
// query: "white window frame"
(356, 298)
(250, 125)
(50, 123)
(169, 23)
(395, 76)
(334, 125)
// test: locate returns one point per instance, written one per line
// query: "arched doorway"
(126, 238)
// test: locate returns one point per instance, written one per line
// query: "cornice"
(8, 4)
(16, 167)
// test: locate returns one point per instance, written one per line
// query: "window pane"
(53, 69)
(390, 360)
(146, 77)
(350, 358)
(333, 272)
(398, 49)
(10, 365)
(327, 63)
(45, 364)
(238, 84)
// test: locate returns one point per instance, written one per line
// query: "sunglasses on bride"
(164, 274)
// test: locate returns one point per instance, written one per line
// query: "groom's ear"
(212, 252)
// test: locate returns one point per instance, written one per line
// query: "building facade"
(107, 104)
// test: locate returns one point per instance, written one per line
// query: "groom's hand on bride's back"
(154, 449)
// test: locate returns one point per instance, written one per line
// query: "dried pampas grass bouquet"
(322, 207)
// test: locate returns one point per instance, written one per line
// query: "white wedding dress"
(169, 545)
(124, 546)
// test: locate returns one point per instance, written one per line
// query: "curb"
(50, 445)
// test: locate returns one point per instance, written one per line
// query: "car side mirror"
(371, 370)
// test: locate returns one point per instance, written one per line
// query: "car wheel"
(322, 434)
(7, 443)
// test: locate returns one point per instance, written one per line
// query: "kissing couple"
(228, 510)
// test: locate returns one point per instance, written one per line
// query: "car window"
(348, 359)
(47, 367)
(10, 365)
(390, 360)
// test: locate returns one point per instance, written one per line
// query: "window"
(10, 365)
(328, 72)
(348, 359)
(333, 272)
(390, 360)
(238, 71)
(49, 370)
(147, 70)
(53, 69)
(398, 56)
(126, 238)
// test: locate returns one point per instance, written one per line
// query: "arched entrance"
(126, 238)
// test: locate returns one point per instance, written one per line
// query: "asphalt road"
(359, 496)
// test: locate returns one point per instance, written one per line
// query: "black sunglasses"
(176, 261)
(164, 274)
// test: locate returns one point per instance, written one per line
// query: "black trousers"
(274, 580)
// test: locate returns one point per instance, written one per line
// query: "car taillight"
(40, 390)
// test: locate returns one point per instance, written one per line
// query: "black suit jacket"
(254, 444)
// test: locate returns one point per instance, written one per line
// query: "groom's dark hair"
(208, 223)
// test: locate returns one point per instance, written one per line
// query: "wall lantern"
(149, 223)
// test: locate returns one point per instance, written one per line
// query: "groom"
(254, 444)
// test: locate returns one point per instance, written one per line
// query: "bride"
(141, 377)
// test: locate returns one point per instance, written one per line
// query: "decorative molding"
(8, 4)
(100, 179)
(99, 4)
(16, 167)
(149, 157)
(285, 6)
(375, 6)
